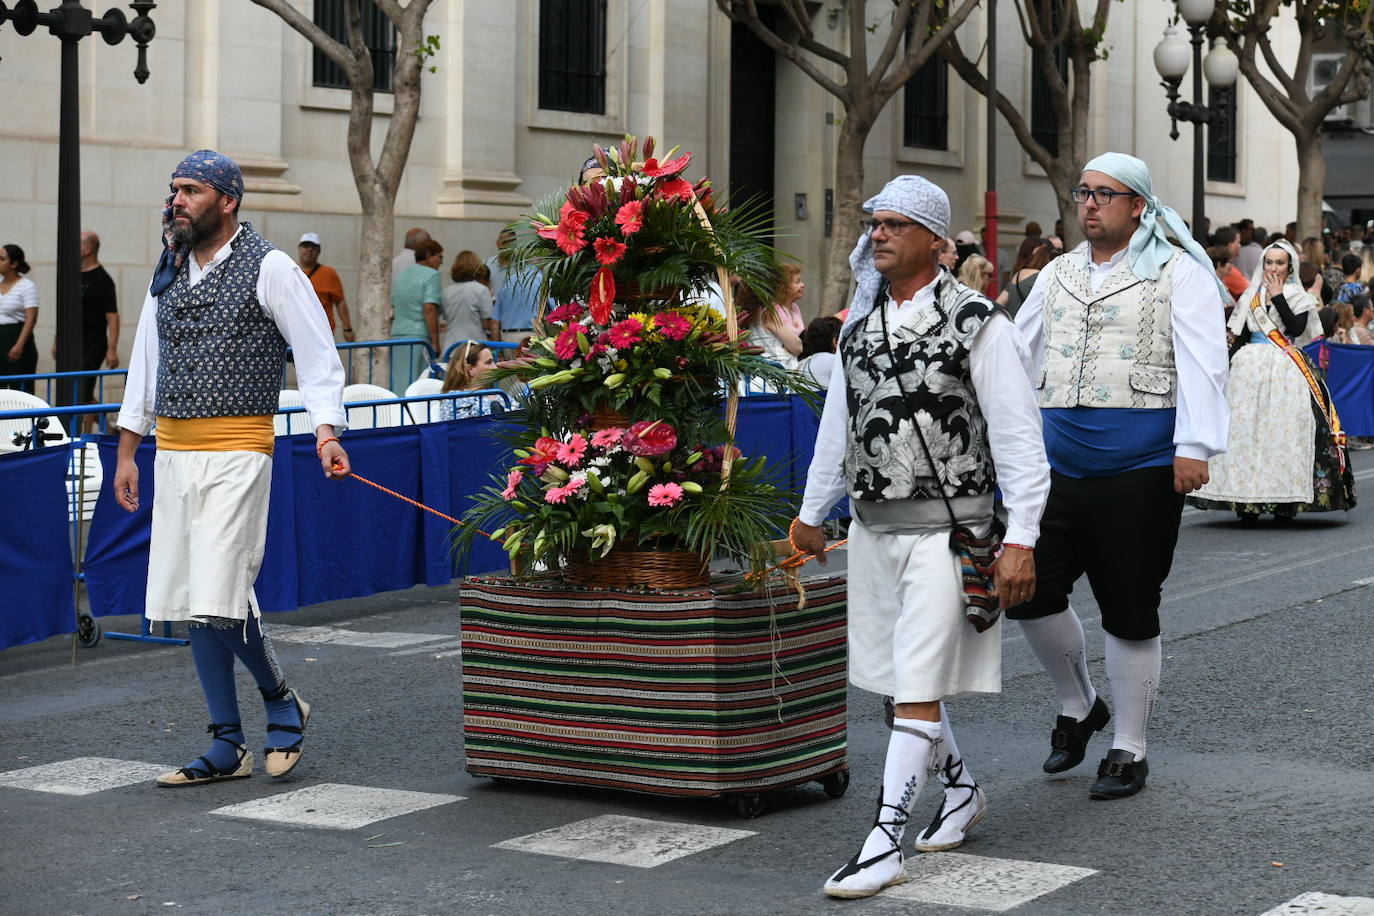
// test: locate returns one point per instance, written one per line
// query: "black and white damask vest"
(219, 354)
(930, 354)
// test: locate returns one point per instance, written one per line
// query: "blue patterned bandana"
(208, 167)
(913, 197)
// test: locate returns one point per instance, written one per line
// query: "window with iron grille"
(378, 33)
(1221, 135)
(572, 55)
(925, 106)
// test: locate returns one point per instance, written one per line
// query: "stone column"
(479, 70)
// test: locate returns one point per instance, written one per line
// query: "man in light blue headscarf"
(928, 412)
(1128, 353)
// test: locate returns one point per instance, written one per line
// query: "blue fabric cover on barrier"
(1350, 376)
(35, 554)
(333, 539)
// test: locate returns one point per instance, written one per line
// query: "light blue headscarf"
(915, 198)
(1150, 249)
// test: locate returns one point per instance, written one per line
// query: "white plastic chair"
(365, 417)
(423, 386)
(12, 399)
(286, 424)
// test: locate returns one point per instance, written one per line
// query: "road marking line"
(1172, 600)
(338, 636)
(448, 654)
(82, 775)
(423, 649)
(620, 840)
(1325, 904)
(336, 806)
(980, 882)
(1369, 581)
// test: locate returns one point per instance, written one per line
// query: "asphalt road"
(1261, 786)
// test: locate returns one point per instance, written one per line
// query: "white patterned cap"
(914, 197)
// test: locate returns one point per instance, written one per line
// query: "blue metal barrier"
(53, 382)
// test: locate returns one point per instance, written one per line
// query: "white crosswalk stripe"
(336, 806)
(980, 882)
(338, 636)
(619, 840)
(1319, 904)
(82, 775)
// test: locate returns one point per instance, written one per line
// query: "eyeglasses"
(890, 226)
(1100, 196)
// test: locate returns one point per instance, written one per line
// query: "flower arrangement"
(625, 443)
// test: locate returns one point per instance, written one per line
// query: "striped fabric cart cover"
(694, 693)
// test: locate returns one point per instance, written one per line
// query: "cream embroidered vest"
(1110, 348)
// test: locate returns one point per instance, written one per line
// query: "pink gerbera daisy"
(630, 217)
(605, 438)
(570, 453)
(665, 494)
(512, 481)
(626, 333)
(672, 325)
(565, 347)
(570, 312)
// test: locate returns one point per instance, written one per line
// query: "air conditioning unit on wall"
(1324, 69)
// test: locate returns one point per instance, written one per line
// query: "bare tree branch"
(312, 33)
(746, 13)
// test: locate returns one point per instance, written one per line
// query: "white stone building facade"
(228, 75)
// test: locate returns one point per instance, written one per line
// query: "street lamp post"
(1171, 60)
(71, 22)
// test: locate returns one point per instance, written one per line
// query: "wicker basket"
(627, 568)
(606, 417)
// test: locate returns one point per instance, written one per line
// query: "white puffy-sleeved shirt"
(1202, 419)
(23, 295)
(286, 296)
(1000, 368)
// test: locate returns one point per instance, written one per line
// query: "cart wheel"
(835, 784)
(87, 630)
(747, 806)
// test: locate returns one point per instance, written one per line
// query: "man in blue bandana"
(929, 412)
(206, 367)
(1128, 354)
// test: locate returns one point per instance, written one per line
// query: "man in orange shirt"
(326, 281)
(1234, 281)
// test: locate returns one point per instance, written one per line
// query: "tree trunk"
(1063, 178)
(1311, 180)
(372, 313)
(849, 190)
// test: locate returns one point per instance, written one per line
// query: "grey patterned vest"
(883, 456)
(219, 354)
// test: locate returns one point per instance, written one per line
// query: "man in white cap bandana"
(929, 411)
(1129, 355)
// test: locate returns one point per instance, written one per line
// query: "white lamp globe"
(1171, 55)
(1220, 66)
(1196, 12)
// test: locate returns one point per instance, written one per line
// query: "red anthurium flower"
(608, 251)
(603, 295)
(650, 438)
(655, 169)
(543, 454)
(630, 217)
(569, 312)
(678, 188)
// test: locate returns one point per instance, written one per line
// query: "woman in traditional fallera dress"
(1282, 457)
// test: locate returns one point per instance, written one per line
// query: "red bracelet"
(1017, 546)
(319, 446)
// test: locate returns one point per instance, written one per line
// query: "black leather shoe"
(1119, 775)
(1069, 738)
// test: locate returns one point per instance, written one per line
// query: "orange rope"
(797, 559)
(418, 505)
